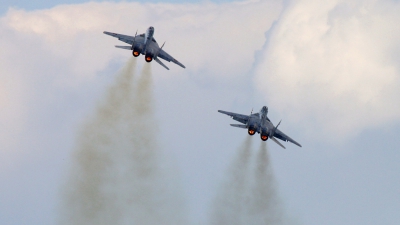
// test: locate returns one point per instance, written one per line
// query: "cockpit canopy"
(264, 110)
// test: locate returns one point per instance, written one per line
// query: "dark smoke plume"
(116, 176)
(264, 207)
(230, 203)
(249, 196)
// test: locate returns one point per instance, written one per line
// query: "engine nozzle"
(264, 137)
(135, 53)
(251, 131)
(149, 56)
(137, 49)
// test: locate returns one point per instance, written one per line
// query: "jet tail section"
(124, 47)
(239, 125)
(162, 64)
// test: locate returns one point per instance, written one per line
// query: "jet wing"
(279, 134)
(238, 117)
(164, 55)
(125, 38)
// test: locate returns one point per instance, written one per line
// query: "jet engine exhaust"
(265, 206)
(137, 49)
(251, 131)
(135, 53)
(248, 195)
(229, 206)
(149, 57)
(264, 137)
(117, 175)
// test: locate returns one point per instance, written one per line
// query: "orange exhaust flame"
(251, 132)
(264, 137)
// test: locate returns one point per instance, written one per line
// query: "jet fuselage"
(145, 44)
(260, 123)
(148, 37)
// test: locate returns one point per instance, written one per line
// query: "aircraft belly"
(151, 47)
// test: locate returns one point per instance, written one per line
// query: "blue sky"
(329, 70)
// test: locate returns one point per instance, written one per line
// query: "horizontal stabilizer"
(296, 143)
(162, 64)
(178, 63)
(239, 125)
(276, 141)
(124, 47)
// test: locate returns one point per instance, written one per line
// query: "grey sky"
(51, 83)
(45, 4)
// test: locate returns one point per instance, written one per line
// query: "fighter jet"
(146, 45)
(260, 123)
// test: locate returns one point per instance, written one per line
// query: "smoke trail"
(248, 200)
(116, 178)
(87, 200)
(157, 200)
(229, 205)
(264, 207)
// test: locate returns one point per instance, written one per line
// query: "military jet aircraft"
(260, 123)
(146, 45)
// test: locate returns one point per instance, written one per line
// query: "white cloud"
(203, 36)
(333, 66)
(51, 60)
(55, 62)
(58, 50)
(12, 100)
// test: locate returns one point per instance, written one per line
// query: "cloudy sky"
(329, 69)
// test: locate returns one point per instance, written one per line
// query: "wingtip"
(179, 63)
(108, 33)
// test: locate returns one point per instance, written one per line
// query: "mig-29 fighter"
(146, 45)
(260, 123)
